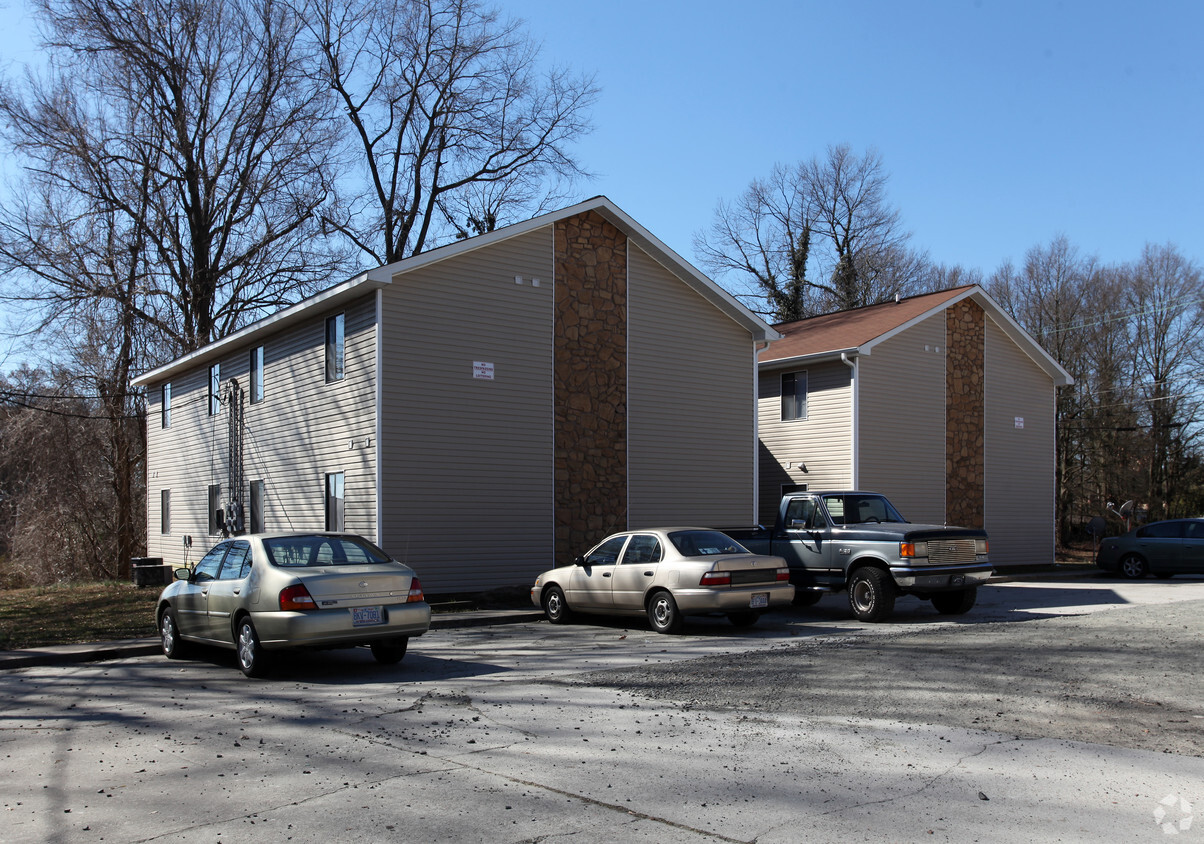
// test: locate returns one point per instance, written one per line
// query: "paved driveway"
(610, 732)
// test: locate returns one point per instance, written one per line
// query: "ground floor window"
(334, 501)
(215, 503)
(257, 507)
(165, 511)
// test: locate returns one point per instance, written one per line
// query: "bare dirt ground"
(1129, 677)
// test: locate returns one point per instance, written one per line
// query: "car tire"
(252, 659)
(390, 652)
(871, 594)
(555, 607)
(955, 603)
(663, 614)
(1134, 567)
(806, 597)
(169, 636)
(744, 619)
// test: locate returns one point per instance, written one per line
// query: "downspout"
(380, 412)
(758, 347)
(856, 467)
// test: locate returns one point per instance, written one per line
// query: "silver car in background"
(263, 593)
(666, 574)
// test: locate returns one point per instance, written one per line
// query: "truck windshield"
(860, 509)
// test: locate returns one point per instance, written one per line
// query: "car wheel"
(169, 636)
(744, 619)
(663, 614)
(251, 657)
(806, 597)
(1134, 567)
(955, 603)
(555, 607)
(390, 652)
(871, 594)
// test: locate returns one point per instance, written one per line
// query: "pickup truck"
(857, 541)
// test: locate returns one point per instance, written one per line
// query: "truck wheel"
(555, 607)
(955, 603)
(663, 614)
(871, 594)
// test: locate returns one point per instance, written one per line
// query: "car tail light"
(296, 597)
(415, 591)
(783, 575)
(716, 578)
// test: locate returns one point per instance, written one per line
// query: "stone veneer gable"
(965, 339)
(590, 374)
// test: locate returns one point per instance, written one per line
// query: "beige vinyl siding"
(1019, 461)
(823, 441)
(298, 433)
(691, 442)
(467, 464)
(902, 420)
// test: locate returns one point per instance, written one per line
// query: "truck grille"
(950, 551)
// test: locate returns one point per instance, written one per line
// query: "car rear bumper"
(739, 599)
(333, 628)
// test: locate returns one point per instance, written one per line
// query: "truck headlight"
(913, 549)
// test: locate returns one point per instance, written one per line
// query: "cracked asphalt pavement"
(1053, 712)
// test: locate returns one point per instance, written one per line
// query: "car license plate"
(758, 600)
(367, 616)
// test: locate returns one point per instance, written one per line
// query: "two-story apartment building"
(941, 401)
(481, 410)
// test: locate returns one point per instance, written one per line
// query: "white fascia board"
(328, 298)
(817, 357)
(700, 283)
(1024, 340)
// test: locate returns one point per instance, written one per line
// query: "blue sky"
(1002, 124)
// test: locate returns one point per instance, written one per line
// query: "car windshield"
(704, 543)
(322, 550)
(860, 509)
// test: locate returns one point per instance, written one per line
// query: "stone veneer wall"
(965, 340)
(590, 349)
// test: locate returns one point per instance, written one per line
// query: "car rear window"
(322, 550)
(704, 543)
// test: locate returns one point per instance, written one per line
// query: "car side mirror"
(579, 561)
(182, 573)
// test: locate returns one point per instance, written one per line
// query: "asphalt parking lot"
(809, 726)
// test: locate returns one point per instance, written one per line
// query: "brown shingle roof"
(845, 330)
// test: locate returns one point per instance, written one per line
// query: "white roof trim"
(293, 313)
(383, 275)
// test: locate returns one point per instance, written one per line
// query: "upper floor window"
(215, 389)
(334, 347)
(257, 374)
(794, 395)
(167, 405)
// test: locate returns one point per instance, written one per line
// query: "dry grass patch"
(68, 613)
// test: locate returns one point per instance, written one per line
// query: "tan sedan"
(666, 573)
(263, 593)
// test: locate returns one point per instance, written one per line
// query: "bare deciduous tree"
(816, 237)
(195, 124)
(452, 126)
